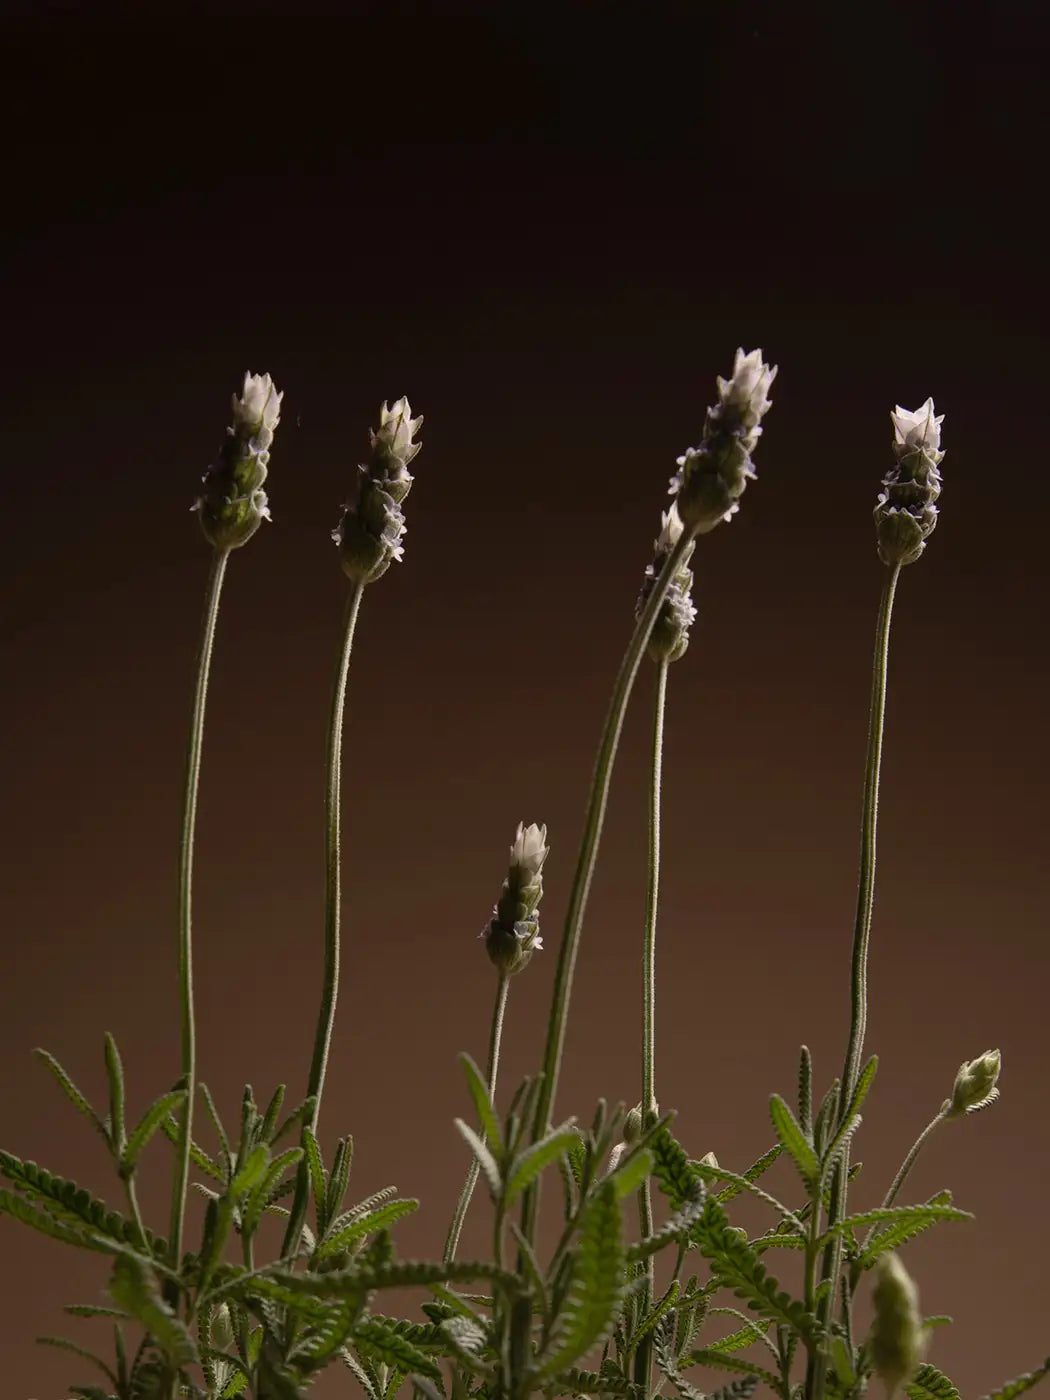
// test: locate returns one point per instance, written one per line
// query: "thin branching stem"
(643, 1359)
(189, 823)
(587, 859)
(491, 1072)
(332, 908)
(909, 1162)
(816, 1369)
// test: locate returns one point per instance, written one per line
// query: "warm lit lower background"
(552, 242)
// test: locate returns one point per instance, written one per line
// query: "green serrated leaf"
(921, 1217)
(755, 1170)
(805, 1092)
(705, 1356)
(486, 1161)
(825, 1117)
(479, 1092)
(134, 1288)
(794, 1139)
(93, 1310)
(743, 1183)
(70, 1204)
(376, 1339)
(170, 1128)
(930, 1384)
(20, 1209)
(752, 1331)
(864, 1083)
(364, 1225)
(673, 1170)
(300, 1114)
(631, 1172)
(115, 1075)
(736, 1266)
(148, 1124)
(653, 1317)
(340, 1177)
(72, 1092)
(525, 1168)
(250, 1173)
(895, 1235)
(359, 1373)
(268, 1188)
(367, 1274)
(220, 1131)
(596, 1289)
(273, 1108)
(318, 1175)
(65, 1345)
(1022, 1383)
(675, 1229)
(836, 1147)
(576, 1382)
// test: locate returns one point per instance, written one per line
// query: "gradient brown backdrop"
(552, 242)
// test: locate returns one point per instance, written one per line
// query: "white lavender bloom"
(670, 635)
(975, 1084)
(233, 504)
(370, 533)
(711, 478)
(513, 933)
(906, 513)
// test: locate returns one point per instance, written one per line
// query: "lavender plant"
(610, 1310)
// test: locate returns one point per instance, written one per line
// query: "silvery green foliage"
(712, 477)
(370, 532)
(906, 514)
(233, 504)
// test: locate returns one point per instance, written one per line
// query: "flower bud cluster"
(370, 532)
(233, 504)
(975, 1085)
(906, 514)
(513, 932)
(711, 478)
(670, 635)
(896, 1341)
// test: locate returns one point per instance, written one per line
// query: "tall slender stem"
(859, 969)
(908, 1163)
(643, 1360)
(189, 823)
(332, 906)
(587, 858)
(491, 1071)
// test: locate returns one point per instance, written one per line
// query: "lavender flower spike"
(906, 514)
(513, 934)
(233, 504)
(711, 478)
(670, 635)
(370, 532)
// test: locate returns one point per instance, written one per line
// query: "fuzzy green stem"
(332, 910)
(491, 1071)
(859, 968)
(643, 1359)
(909, 1162)
(189, 822)
(587, 858)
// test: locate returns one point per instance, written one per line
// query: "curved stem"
(587, 858)
(189, 823)
(491, 1071)
(859, 967)
(908, 1163)
(643, 1359)
(332, 908)
(866, 884)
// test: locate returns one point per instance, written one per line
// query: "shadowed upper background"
(551, 240)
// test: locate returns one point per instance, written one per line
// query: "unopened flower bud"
(896, 1340)
(632, 1125)
(370, 532)
(975, 1084)
(233, 504)
(513, 932)
(670, 635)
(222, 1337)
(709, 1160)
(711, 478)
(906, 514)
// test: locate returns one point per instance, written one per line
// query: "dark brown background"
(551, 240)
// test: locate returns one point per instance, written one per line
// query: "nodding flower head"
(670, 635)
(906, 513)
(711, 478)
(370, 533)
(513, 933)
(233, 504)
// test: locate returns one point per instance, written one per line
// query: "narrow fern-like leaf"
(115, 1075)
(388, 1345)
(318, 1175)
(907, 1217)
(822, 1123)
(148, 1124)
(273, 1108)
(170, 1128)
(930, 1384)
(63, 1344)
(71, 1092)
(705, 1356)
(1020, 1384)
(20, 1209)
(675, 1229)
(220, 1131)
(742, 1183)
(576, 1382)
(755, 1170)
(486, 1161)
(864, 1083)
(479, 1092)
(836, 1147)
(596, 1290)
(340, 1176)
(135, 1288)
(524, 1170)
(792, 1136)
(364, 1225)
(805, 1092)
(739, 1268)
(898, 1233)
(673, 1170)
